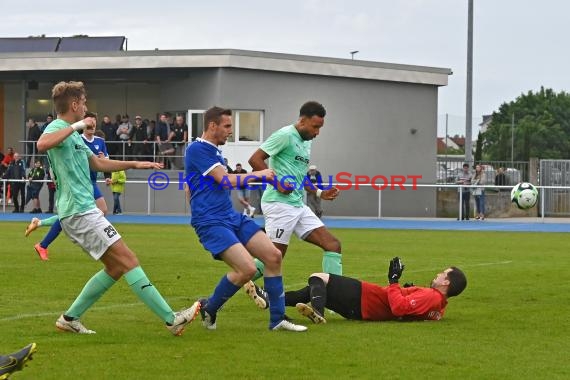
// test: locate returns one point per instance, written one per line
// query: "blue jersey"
(209, 201)
(97, 145)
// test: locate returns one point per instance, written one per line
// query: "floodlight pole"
(469, 94)
(446, 123)
(513, 140)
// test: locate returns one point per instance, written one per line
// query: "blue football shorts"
(227, 231)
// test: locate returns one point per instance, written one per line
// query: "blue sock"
(52, 234)
(274, 289)
(223, 292)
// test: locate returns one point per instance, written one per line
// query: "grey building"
(381, 117)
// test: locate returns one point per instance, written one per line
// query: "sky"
(519, 45)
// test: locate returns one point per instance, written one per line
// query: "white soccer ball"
(524, 195)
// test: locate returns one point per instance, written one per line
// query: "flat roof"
(218, 58)
(53, 44)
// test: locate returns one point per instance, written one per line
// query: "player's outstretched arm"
(219, 175)
(147, 165)
(106, 165)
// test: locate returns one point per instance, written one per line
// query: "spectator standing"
(162, 134)
(243, 192)
(8, 158)
(229, 170)
(179, 136)
(123, 132)
(118, 180)
(139, 136)
(162, 129)
(464, 179)
(17, 173)
(45, 161)
(110, 131)
(34, 133)
(51, 192)
(4, 164)
(35, 178)
(151, 137)
(501, 178)
(479, 192)
(313, 201)
(49, 119)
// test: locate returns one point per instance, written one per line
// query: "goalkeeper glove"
(395, 270)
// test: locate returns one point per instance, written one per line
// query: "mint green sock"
(141, 285)
(49, 221)
(92, 291)
(260, 269)
(332, 263)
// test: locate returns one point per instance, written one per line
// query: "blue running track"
(514, 225)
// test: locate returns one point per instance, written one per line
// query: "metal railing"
(171, 153)
(139, 197)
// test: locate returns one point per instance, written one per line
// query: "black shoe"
(16, 361)
(208, 320)
(49, 211)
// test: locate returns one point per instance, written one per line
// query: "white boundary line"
(289, 286)
(56, 314)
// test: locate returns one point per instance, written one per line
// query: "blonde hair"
(64, 93)
(478, 173)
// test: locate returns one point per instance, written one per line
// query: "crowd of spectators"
(145, 139)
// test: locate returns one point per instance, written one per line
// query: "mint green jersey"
(289, 157)
(69, 162)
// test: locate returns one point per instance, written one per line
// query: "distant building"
(459, 141)
(381, 117)
(442, 147)
(487, 119)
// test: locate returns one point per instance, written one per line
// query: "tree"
(479, 148)
(541, 127)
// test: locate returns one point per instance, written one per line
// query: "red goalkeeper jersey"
(383, 303)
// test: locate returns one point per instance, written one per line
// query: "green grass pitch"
(512, 321)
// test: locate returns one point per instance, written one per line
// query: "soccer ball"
(524, 195)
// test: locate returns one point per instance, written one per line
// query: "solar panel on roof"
(91, 44)
(34, 44)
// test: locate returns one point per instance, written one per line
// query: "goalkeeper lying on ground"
(361, 300)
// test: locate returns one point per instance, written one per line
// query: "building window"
(247, 126)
